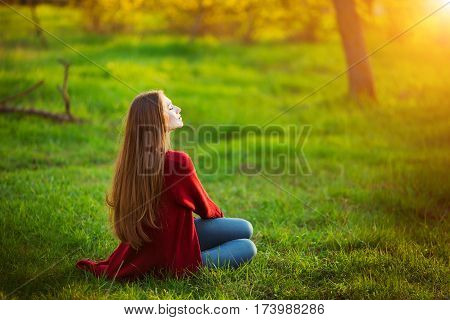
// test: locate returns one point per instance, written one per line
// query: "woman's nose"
(178, 110)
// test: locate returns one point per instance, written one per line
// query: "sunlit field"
(370, 221)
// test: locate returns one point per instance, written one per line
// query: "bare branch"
(22, 93)
(59, 117)
(63, 89)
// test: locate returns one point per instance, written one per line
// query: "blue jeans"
(225, 241)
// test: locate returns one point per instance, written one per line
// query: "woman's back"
(174, 247)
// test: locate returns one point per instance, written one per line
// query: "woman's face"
(172, 115)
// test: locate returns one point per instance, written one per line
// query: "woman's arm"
(190, 191)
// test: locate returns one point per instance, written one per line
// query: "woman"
(154, 193)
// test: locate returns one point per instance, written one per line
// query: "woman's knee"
(252, 248)
(248, 248)
(247, 228)
(232, 228)
(233, 253)
(240, 251)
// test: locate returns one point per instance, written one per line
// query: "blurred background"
(370, 221)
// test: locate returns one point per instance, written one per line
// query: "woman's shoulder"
(177, 156)
(178, 162)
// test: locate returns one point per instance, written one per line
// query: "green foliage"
(111, 15)
(370, 222)
(248, 20)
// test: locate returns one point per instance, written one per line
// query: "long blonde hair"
(138, 181)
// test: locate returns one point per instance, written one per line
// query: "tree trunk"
(250, 24)
(37, 23)
(359, 74)
(197, 27)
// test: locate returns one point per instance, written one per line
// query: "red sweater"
(174, 249)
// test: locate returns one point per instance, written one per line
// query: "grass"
(369, 222)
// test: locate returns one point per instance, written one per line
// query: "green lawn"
(369, 222)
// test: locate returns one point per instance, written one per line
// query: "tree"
(360, 74)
